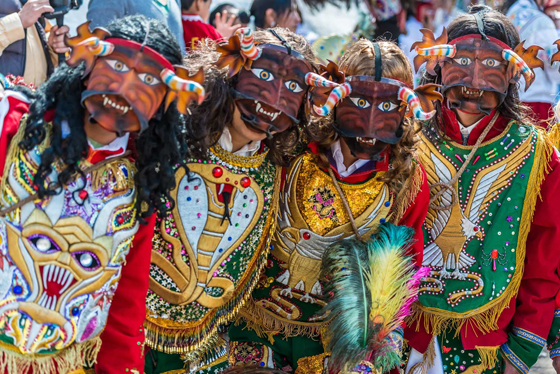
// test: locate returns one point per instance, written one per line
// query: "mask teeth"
(337, 94)
(513, 58)
(315, 80)
(98, 47)
(182, 85)
(444, 50)
(413, 102)
(248, 47)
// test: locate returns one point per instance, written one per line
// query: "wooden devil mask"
(476, 70)
(272, 87)
(127, 82)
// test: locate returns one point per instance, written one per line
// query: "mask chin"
(364, 151)
(483, 101)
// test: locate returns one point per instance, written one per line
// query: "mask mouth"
(471, 93)
(116, 103)
(473, 100)
(366, 141)
(272, 115)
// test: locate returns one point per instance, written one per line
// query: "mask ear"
(427, 94)
(522, 62)
(86, 52)
(239, 51)
(432, 50)
(183, 87)
(332, 72)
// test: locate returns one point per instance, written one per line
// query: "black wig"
(158, 149)
(495, 25)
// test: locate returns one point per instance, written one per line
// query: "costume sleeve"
(540, 283)
(122, 348)
(553, 339)
(11, 30)
(416, 212)
(12, 108)
(102, 12)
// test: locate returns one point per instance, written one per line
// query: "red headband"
(144, 49)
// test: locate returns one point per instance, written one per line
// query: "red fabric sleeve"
(541, 283)
(14, 107)
(415, 215)
(123, 338)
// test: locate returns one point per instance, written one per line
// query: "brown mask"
(270, 93)
(124, 89)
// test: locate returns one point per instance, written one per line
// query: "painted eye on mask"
(293, 86)
(265, 75)
(360, 103)
(463, 61)
(43, 244)
(118, 66)
(149, 79)
(87, 260)
(491, 62)
(387, 106)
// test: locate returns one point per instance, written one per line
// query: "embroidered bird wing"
(438, 171)
(489, 181)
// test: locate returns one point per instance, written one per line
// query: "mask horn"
(524, 60)
(413, 102)
(185, 90)
(336, 95)
(248, 47)
(443, 50)
(98, 47)
(315, 80)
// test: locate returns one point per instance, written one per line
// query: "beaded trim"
(555, 353)
(524, 334)
(234, 160)
(514, 360)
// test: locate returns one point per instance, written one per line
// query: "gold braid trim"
(488, 356)
(554, 135)
(72, 358)
(485, 318)
(407, 195)
(427, 360)
(265, 324)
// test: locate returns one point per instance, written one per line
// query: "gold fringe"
(554, 135)
(485, 318)
(488, 356)
(427, 360)
(407, 195)
(157, 336)
(264, 323)
(72, 358)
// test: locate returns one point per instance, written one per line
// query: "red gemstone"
(83, 194)
(217, 172)
(245, 182)
(120, 220)
(494, 254)
(306, 235)
(475, 229)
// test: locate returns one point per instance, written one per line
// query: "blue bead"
(388, 203)
(18, 290)
(229, 238)
(220, 250)
(382, 220)
(189, 198)
(75, 311)
(262, 363)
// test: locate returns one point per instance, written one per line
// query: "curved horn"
(182, 85)
(248, 47)
(444, 50)
(511, 56)
(413, 102)
(315, 80)
(98, 47)
(336, 95)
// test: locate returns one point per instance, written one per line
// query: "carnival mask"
(370, 110)
(128, 81)
(271, 87)
(61, 260)
(476, 70)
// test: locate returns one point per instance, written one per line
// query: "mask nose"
(478, 80)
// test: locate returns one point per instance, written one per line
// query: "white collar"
(466, 131)
(192, 17)
(339, 160)
(115, 145)
(247, 150)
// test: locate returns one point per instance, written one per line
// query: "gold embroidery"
(237, 160)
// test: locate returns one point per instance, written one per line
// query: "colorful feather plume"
(373, 286)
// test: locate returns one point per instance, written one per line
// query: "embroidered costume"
(290, 323)
(66, 234)
(486, 230)
(209, 251)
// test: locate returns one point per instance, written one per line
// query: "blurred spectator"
(24, 47)
(390, 18)
(445, 12)
(241, 17)
(272, 13)
(101, 12)
(552, 9)
(195, 23)
(536, 28)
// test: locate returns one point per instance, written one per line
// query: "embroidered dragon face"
(61, 261)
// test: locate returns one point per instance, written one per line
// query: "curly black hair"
(500, 27)
(158, 149)
(209, 119)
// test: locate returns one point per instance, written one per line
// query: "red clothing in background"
(196, 30)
